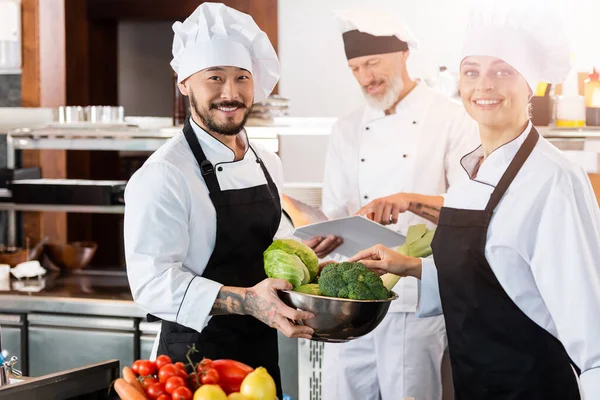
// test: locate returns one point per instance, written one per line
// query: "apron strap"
(206, 168)
(270, 183)
(513, 169)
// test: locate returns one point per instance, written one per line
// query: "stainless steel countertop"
(64, 305)
(103, 293)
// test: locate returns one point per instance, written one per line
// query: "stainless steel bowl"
(338, 320)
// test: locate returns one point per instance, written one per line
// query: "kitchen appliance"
(8, 175)
(68, 191)
(338, 320)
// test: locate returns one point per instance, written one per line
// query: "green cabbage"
(282, 265)
(311, 288)
(306, 254)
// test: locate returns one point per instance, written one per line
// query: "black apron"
(247, 220)
(497, 352)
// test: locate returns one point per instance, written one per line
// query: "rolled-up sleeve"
(156, 236)
(430, 303)
(566, 267)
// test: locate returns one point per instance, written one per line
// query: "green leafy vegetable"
(417, 244)
(311, 288)
(352, 281)
(281, 265)
(306, 254)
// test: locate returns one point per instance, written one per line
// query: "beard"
(228, 128)
(387, 99)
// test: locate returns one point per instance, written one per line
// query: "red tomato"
(135, 367)
(180, 365)
(182, 373)
(210, 377)
(205, 364)
(164, 397)
(147, 381)
(173, 383)
(166, 372)
(147, 368)
(163, 360)
(155, 390)
(231, 374)
(182, 393)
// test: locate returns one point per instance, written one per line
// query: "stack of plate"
(274, 106)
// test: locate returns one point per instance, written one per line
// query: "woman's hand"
(385, 260)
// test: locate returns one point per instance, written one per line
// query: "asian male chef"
(406, 138)
(204, 207)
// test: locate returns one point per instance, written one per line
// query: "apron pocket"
(178, 345)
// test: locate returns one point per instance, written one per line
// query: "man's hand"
(261, 302)
(385, 210)
(322, 246)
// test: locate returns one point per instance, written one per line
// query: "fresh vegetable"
(351, 281)
(155, 390)
(135, 367)
(259, 385)
(147, 367)
(146, 381)
(166, 372)
(210, 377)
(210, 392)
(130, 378)
(182, 393)
(417, 244)
(231, 374)
(282, 265)
(164, 397)
(173, 383)
(162, 360)
(305, 253)
(205, 364)
(309, 288)
(127, 391)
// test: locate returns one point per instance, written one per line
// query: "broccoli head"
(351, 281)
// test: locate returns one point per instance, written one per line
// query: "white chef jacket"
(170, 224)
(415, 150)
(543, 244)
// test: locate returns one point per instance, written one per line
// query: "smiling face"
(221, 97)
(380, 77)
(493, 93)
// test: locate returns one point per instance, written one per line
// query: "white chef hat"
(217, 35)
(526, 34)
(367, 32)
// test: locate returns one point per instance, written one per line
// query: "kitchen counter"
(85, 292)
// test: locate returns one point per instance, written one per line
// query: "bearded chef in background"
(407, 138)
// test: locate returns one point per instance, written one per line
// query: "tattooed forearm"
(427, 207)
(234, 300)
(229, 300)
(260, 308)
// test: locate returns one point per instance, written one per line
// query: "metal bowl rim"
(390, 299)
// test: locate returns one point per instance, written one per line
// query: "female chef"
(516, 255)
